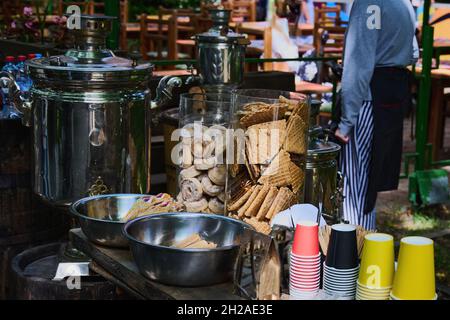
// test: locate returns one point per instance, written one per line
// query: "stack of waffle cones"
(271, 179)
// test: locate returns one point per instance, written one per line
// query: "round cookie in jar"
(201, 152)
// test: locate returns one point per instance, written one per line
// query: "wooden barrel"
(24, 219)
(34, 269)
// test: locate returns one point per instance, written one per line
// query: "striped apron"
(370, 161)
(355, 161)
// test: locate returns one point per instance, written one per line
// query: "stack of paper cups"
(305, 261)
(341, 266)
(377, 267)
(415, 278)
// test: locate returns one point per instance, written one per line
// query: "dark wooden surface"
(24, 220)
(120, 265)
(34, 269)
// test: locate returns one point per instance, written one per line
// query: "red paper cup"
(299, 279)
(306, 239)
(305, 267)
(307, 258)
(305, 264)
(303, 260)
(303, 287)
(304, 270)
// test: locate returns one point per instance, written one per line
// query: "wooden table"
(118, 266)
(440, 48)
(440, 79)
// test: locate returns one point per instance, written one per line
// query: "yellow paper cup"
(377, 261)
(415, 278)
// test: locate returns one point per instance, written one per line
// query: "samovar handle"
(21, 100)
(164, 90)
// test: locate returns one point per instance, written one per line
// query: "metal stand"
(423, 155)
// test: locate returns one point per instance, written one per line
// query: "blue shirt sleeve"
(359, 61)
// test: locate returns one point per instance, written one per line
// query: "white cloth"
(282, 44)
(296, 213)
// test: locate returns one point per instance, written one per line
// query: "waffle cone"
(283, 201)
(275, 112)
(277, 173)
(300, 108)
(266, 139)
(255, 106)
(297, 177)
(240, 199)
(295, 136)
(256, 204)
(253, 195)
(253, 169)
(260, 226)
(268, 200)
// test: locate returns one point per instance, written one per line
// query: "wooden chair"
(241, 10)
(330, 41)
(264, 50)
(323, 18)
(163, 44)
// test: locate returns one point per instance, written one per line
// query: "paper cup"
(363, 297)
(304, 274)
(304, 281)
(306, 239)
(373, 289)
(309, 267)
(306, 264)
(304, 295)
(342, 252)
(353, 274)
(304, 288)
(341, 271)
(377, 261)
(383, 296)
(339, 286)
(337, 282)
(340, 294)
(305, 258)
(299, 282)
(302, 260)
(415, 277)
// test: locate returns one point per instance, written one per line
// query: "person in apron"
(380, 43)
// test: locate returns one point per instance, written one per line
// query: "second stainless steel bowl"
(101, 217)
(151, 238)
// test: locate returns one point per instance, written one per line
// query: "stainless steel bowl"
(100, 217)
(151, 238)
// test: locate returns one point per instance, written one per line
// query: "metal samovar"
(90, 113)
(321, 177)
(220, 54)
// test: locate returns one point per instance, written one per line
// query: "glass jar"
(271, 142)
(201, 151)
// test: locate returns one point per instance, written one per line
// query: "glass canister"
(201, 152)
(271, 141)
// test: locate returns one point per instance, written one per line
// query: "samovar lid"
(90, 62)
(322, 149)
(220, 32)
